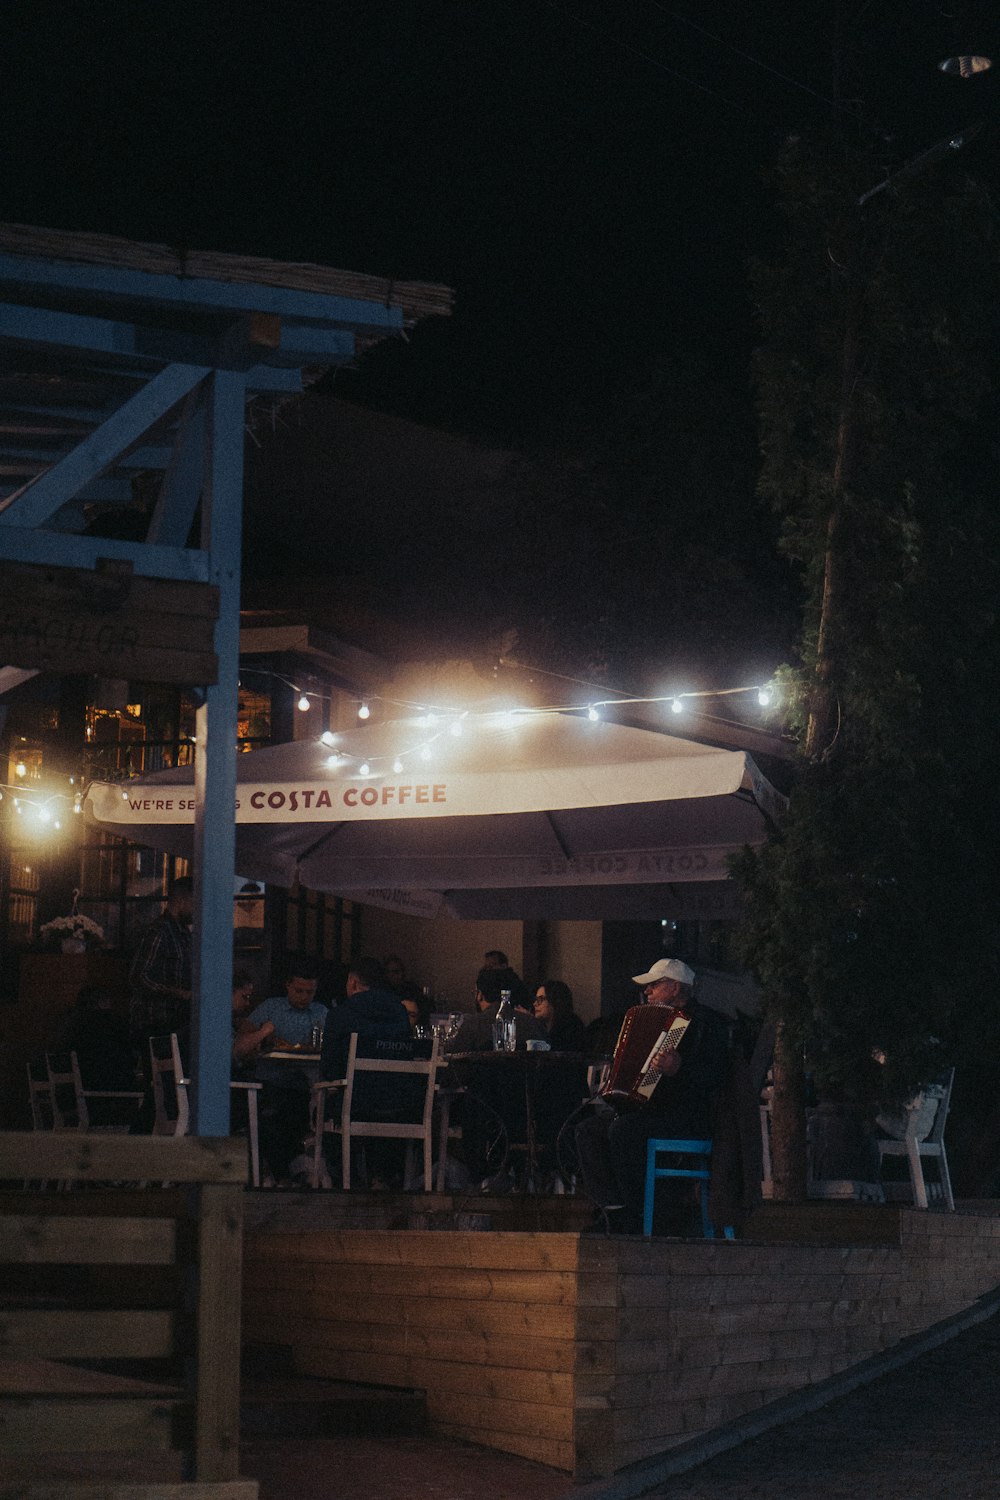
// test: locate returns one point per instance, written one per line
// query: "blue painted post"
(215, 764)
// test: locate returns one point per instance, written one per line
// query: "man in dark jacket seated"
(383, 1028)
(611, 1146)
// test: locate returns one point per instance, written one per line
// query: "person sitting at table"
(416, 1004)
(284, 1097)
(382, 1025)
(554, 1008)
(476, 1031)
(246, 1049)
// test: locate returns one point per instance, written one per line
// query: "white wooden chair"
(922, 1136)
(70, 1100)
(40, 1096)
(339, 1122)
(172, 1111)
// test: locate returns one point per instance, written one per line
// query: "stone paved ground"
(930, 1431)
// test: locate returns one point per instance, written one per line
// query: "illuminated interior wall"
(573, 952)
(439, 951)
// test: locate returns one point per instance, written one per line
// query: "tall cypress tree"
(870, 914)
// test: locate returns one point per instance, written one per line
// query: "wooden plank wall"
(486, 1323)
(147, 1277)
(589, 1353)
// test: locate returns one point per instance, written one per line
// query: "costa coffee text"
(352, 796)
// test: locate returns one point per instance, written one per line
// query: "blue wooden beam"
(198, 293)
(89, 459)
(67, 550)
(215, 763)
(181, 488)
(301, 344)
(149, 456)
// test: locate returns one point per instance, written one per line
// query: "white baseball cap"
(666, 968)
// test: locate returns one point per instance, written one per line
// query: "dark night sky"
(587, 175)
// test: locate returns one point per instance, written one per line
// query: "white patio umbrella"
(488, 815)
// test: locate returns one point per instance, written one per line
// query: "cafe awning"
(530, 814)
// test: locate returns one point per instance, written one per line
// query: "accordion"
(647, 1032)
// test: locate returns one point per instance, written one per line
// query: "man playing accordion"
(671, 1094)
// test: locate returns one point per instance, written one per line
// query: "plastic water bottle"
(505, 1027)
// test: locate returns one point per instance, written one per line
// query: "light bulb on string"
(44, 816)
(397, 767)
(364, 712)
(328, 738)
(304, 704)
(676, 706)
(764, 697)
(333, 760)
(364, 769)
(592, 714)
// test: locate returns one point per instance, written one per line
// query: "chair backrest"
(170, 1094)
(942, 1093)
(390, 1066)
(69, 1107)
(40, 1095)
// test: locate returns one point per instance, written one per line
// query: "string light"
(364, 769)
(764, 697)
(364, 712)
(327, 738)
(676, 706)
(397, 767)
(304, 704)
(592, 714)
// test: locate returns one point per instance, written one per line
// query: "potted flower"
(74, 934)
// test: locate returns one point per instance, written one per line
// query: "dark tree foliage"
(871, 913)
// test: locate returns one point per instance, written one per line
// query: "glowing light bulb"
(333, 760)
(57, 824)
(44, 816)
(456, 728)
(592, 714)
(77, 808)
(676, 706)
(364, 712)
(124, 796)
(397, 767)
(20, 769)
(764, 697)
(304, 704)
(327, 738)
(364, 769)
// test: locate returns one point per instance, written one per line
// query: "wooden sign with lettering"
(108, 621)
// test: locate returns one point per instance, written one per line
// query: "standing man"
(284, 1095)
(160, 974)
(612, 1146)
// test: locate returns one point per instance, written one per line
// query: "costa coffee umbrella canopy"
(495, 814)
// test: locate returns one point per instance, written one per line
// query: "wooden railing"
(120, 1313)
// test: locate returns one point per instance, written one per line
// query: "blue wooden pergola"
(124, 364)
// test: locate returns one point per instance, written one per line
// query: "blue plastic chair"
(701, 1151)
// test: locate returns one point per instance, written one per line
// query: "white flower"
(75, 926)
